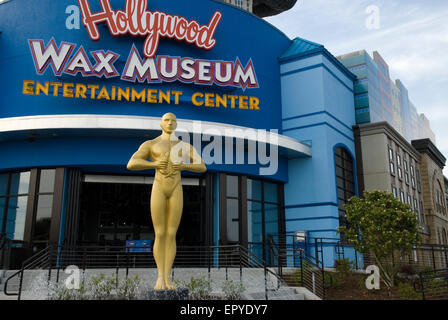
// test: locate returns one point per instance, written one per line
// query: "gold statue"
(169, 156)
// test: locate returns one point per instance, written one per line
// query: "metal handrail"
(119, 257)
(424, 276)
(27, 264)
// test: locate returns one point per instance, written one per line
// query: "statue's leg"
(158, 209)
(174, 214)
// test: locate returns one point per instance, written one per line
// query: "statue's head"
(168, 123)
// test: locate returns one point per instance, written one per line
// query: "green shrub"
(232, 290)
(436, 287)
(343, 266)
(332, 279)
(198, 288)
(407, 292)
(128, 288)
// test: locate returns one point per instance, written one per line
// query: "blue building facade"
(272, 117)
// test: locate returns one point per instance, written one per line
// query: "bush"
(406, 292)
(343, 266)
(199, 288)
(98, 288)
(128, 288)
(232, 290)
(332, 279)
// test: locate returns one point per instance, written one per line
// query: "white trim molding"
(292, 147)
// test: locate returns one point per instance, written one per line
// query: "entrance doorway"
(117, 209)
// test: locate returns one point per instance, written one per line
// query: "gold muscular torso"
(168, 178)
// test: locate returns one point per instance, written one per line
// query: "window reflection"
(43, 217)
(46, 182)
(232, 220)
(15, 224)
(270, 192)
(3, 184)
(253, 189)
(20, 183)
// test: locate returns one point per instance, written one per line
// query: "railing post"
(301, 268)
(241, 267)
(127, 263)
(208, 262)
(433, 258)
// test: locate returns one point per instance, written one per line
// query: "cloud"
(412, 38)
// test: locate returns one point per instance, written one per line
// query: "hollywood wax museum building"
(84, 83)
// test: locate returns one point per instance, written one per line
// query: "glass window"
(254, 221)
(400, 173)
(412, 170)
(409, 199)
(398, 159)
(406, 177)
(402, 196)
(2, 210)
(344, 180)
(16, 215)
(43, 217)
(253, 189)
(46, 182)
(392, 168)
(391, 154)
(270, 192)
(405, 165)
(3, 184)
(232, 186)
(394, 192)
(20, 183)
(233, 220)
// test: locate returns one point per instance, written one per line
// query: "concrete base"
(178, 294)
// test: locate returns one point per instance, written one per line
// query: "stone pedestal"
(178, 294)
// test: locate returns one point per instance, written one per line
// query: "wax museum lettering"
(65, 59)
(137, 21)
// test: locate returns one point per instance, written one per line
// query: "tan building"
(386, 161)
(433, 185)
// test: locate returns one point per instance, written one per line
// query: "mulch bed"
(352, 288)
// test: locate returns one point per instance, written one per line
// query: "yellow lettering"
(221, 101)
(254, 102)
(80, 91)
(140, 96)
(56, 86)
(93, 88)
(40, 87)
(233, 99)
(27, 87)
(124, 94)
(177, 94)
(67, 91)
(209, 101)
(243, 102)
(163, 96)
(195, 96)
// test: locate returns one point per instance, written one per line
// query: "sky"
(411, 36)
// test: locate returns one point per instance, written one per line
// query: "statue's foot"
(169, 284)
(160, 284)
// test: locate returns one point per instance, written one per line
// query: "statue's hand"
(161, 164)
(178, 166)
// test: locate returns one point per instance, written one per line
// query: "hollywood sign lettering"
(137, 21)
(152, 70)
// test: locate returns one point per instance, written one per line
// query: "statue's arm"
(138, 160)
